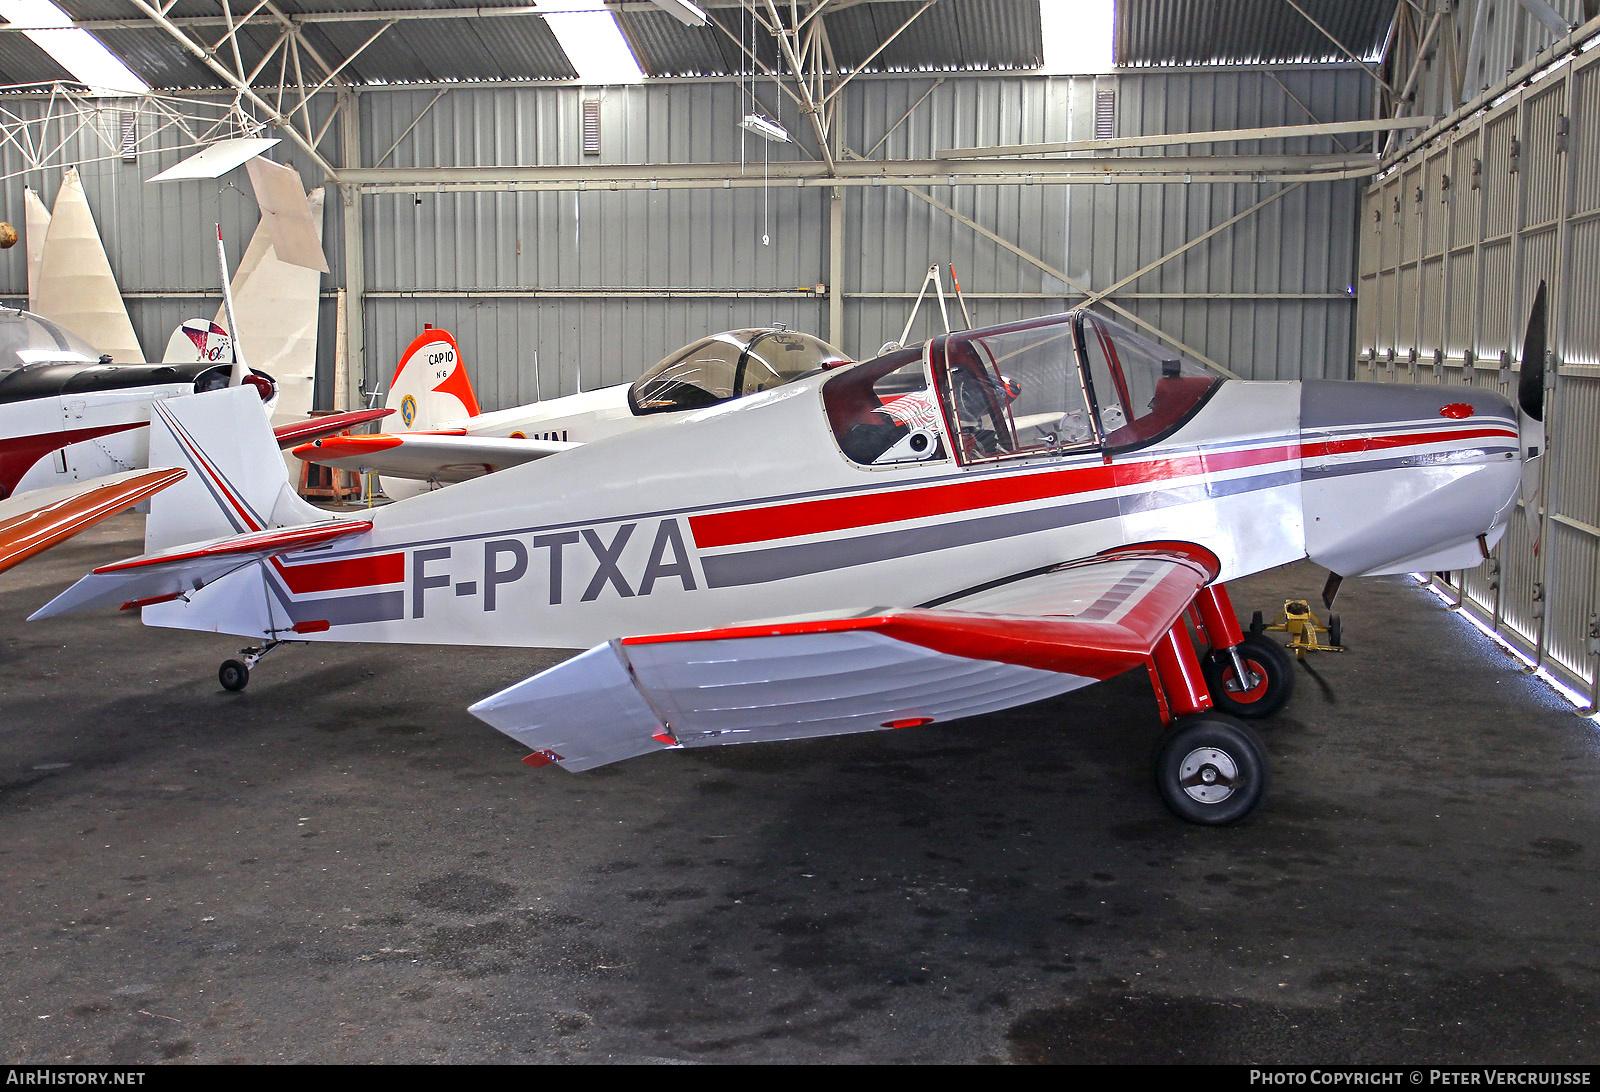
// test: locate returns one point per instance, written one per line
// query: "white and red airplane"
(998, 516)
(74, 427)
(444, 437)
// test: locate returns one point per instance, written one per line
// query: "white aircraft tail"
(237, 482)
(431, 387)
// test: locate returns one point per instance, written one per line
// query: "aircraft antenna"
(240, 369)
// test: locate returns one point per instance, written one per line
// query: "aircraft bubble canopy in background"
(446, 438)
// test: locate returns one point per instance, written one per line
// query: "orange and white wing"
(37, 520)
(1034, 636)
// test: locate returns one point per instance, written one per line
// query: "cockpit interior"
(1065, 383)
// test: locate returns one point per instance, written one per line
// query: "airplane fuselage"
(750, 510)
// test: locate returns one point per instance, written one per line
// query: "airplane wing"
(1034, 636)
(428, 456)
(316, 427)
(37, 520)
(168, 574)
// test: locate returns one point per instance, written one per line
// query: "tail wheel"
(1271, 681)
(233, 675)
(1211, 770)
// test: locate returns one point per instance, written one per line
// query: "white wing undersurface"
(1006, 644)
(428, 456)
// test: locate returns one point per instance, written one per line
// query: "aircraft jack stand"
(1303, 628)
(235, 674)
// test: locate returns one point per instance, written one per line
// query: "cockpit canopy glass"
(1014, 390)
(730, 365)
(1142, 390)
(25, 339)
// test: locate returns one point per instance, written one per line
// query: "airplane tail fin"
(237, 482)
(198, 339)
(431, 386)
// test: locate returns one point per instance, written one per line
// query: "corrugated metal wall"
(160, 239)
(1455, 243)
(1270, 298)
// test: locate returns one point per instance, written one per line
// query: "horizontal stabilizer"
(168, 574)
(35, 521)
(428, 456)
(315, 428)
(1004, 645)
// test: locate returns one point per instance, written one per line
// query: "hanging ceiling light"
(684, 12)
(763, 126)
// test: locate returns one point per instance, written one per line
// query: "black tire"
(1211, 770)
(1258, 624)
(1263, 657)
(1335, 631)
(233, 675)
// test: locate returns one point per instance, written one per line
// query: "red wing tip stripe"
(541, 758)
(273, 541)
(777, 629)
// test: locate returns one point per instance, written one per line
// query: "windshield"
(1143, 390)
(730, 365)
(883, 413)
(1013, 390)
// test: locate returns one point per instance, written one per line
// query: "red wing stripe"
(1048, 642)
(294, 538)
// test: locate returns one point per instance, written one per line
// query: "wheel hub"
(1208, 775)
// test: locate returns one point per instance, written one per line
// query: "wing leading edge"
(1016, 641)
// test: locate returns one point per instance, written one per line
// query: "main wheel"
(1267, 661)
(233, 675)
(1211, 769)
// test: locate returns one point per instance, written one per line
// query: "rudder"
(431, 387)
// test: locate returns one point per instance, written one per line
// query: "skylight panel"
(1077, 37)
(73, 48)
(593, 42)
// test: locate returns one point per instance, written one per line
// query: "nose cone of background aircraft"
(1399, 478)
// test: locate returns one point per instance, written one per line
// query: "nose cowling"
(1398, 478)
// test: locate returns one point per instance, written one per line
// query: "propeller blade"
(1530, 391)
(1530, 419)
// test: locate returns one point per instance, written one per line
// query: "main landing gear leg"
(1210, 768)
(235, 674)
(1249, 675)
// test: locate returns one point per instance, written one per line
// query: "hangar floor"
(341, 865)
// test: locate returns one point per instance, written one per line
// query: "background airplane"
(444, 437)
(803, 562)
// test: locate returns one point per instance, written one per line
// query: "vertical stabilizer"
(431, 389)
(236, 479)
(76, 286)
(276, 305)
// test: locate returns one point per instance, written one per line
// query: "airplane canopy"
(26, 338)
(730, 365)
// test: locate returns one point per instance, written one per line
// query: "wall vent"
(1105, 114)
(130, 136)
(591, 126)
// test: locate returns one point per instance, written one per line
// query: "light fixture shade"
(765, 127)
(686, 13)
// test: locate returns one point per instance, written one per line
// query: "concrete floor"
(341, 865)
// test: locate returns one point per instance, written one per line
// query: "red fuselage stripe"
(717, 529)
